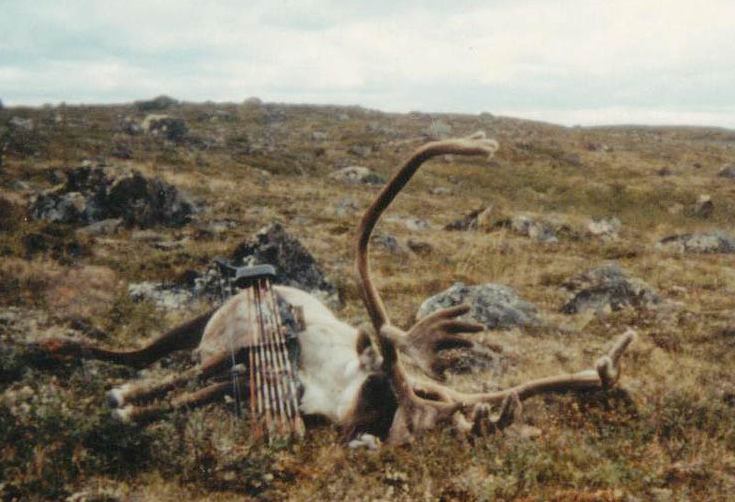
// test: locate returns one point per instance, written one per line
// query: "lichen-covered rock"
(606, 228)
(346, 206)
(715, 242)
(93, 194)
(163, 296)
(164, 126)
(468, 221)
(527, 226)
(357, 175)
(21, 137)
(295, 266)
(494, 305)
(362, 151)
(389, 243)
(541, 229)
(608, 288)
(272, 245)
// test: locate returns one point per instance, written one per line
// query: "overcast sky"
(565, 61)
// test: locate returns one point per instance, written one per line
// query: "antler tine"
(605, 375)
(608, 366)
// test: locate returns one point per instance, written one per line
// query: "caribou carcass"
(355, 381)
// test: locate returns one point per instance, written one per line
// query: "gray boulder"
(93, 194)
(494, 305)
(715, 242)
(295, 266)
(608, 287)
(272, 245)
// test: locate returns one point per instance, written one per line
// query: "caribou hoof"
(115, 398)
(123, 415)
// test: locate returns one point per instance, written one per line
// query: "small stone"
(362, 151)
(103, 227)
(357, 175)
(675, 208)
(605, 228)
(714, 242)
(538, 230)
(704, 206)
(416, 224)
(727, 171)
(346, 206)
(467, 222)
(388, 242)
(440, 191)
(420, 247)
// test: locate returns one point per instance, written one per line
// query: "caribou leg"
(148, 390)
(184, 336)
(142, 415)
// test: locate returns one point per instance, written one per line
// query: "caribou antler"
(477, 144)
(425, 406)
(414, 413)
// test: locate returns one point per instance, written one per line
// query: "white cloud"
(579, 59)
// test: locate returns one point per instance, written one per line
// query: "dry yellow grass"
(676, 438)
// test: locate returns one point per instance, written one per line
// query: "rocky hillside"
(110, 217)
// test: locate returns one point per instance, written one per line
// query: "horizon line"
(528, 115)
